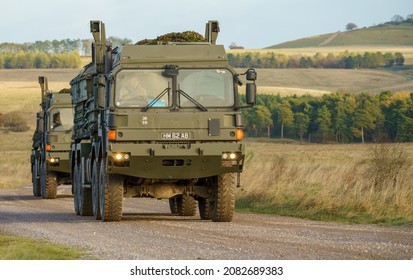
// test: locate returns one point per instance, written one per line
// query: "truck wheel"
(173, 205)
(51, 186)
(110, 195)
(204, 208)
(83, 196)
(35, 180)
(222, 202)
(76, 187)
(186, 205)
(42, 177)
(95, 190)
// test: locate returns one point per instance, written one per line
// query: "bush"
(13, 121)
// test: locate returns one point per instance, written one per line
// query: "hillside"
(383, 35)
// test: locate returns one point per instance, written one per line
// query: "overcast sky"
(252, 23)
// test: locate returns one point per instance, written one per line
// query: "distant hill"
(382, 35)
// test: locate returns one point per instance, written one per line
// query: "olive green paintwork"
(141, 133)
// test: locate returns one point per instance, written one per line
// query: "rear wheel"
(36, 180)
(51, 186)
(173, 205)
(76, 187)
(110, 195)
(42, 177)
(95, 190)
(186, 205)
(222, 202)
(83, 196)
(204, 209)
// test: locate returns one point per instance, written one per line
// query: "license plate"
(176, 135)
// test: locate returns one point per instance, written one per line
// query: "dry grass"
(320, 81)
(20, 91)
(360, 183)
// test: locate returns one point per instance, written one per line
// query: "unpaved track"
(148, 231)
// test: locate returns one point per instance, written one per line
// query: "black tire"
(173, 205)
(42, 177)
(95, 190)
(36, 180)
(222, 202)
(186, 205)
(110, 195)
(76, 188)
(50, 191)
(83, 196)
(204, 208)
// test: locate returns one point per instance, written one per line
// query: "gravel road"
(149, 231)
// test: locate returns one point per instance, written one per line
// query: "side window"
(61, 119)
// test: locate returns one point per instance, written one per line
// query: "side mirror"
(251, 93)
(251, 75)
(170, 71)
(251, 88)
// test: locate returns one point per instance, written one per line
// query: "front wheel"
(222, 201)
(110, 195)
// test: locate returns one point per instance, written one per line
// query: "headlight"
(54, 160)
(229, 156)
(121, 156)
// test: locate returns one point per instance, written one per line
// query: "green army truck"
(51, 142)
(158, 120)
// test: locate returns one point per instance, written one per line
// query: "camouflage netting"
(187, 36)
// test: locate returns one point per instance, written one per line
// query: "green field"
(384, 35)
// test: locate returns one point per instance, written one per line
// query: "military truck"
(51, 142)
(158, 120)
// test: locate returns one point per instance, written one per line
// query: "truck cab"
(51, 142)
(160, 121)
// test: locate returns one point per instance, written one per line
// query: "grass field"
(19, 248)
(354, 182)
(384, 35)
(313, 181)
(321, 81)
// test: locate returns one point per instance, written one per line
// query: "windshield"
(61, 119)
(209, 87)
(138, 88)
(146, 88)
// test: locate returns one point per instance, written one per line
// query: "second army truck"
(160, 121)
(51, 142)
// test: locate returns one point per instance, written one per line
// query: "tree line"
(346, 60)
(340, 118)
(29, 60)
(48, 54)
(59, 46)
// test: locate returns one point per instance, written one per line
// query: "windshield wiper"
(157, 98)
(199, 105)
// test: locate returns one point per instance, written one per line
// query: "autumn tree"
(324, 121)
(260, 117)
(301, 123)
(285, 116)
